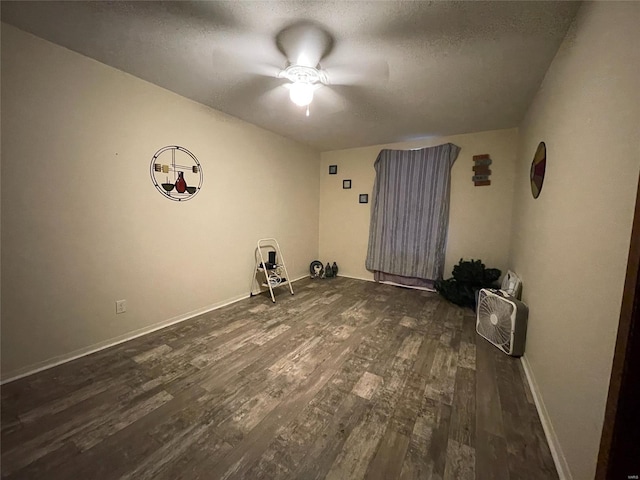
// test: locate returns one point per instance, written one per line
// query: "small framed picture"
(346, 184)
(333, 169)
(364, 198)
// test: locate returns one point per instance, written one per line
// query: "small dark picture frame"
(346, 184)
(333, 169)
(364, 198)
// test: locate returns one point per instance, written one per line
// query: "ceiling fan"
(303, 63)
(305, 44)
(304, 81)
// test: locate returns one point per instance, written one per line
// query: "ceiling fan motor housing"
(303, 74)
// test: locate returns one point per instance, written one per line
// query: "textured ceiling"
(405, 69)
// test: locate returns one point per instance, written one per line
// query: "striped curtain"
(410, 213)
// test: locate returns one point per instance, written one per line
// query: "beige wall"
(571, 244)
(479, 220)
(83, 226)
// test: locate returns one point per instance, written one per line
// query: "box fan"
(502, 318)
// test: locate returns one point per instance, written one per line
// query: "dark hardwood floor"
(345, 380)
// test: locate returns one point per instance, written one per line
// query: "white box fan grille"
(502, 320)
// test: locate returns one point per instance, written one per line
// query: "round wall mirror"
(538, 167)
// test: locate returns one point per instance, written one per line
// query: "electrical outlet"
(121, 306)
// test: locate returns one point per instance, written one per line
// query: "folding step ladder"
(275, 273)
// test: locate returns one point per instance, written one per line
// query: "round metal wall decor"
(176, 173)
(538, 167)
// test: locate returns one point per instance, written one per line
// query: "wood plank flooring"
(345, 380)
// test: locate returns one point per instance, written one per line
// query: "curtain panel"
(410, 212)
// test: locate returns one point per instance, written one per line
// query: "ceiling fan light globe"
(301, 94)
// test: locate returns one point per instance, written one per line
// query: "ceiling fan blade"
(237, 66)
(358, 73)
(363, 101)
(274, 97)
(304, 43)
(244, 92)
(247, 53)
(327, 101)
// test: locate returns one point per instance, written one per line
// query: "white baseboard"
(96, 347)
(425, 289)
(357, 278)
(412, 287)
(552, 439)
